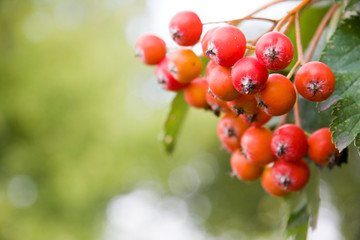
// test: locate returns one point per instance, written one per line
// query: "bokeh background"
(80, 119)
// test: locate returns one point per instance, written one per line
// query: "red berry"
(185, 28)
(278, 96)
(243, 168)
(269, 184)
(244, 104)
(220, 84)
(274, 50)
(184, 65)
(315, 81)
(255, 144)
(195, 93)
(229, 130)
(257, 119)
(290, 176)
(249, 75)
(165, 78)
(150, 49)
(205, 40)
(322, 150)
(226, 45)
(289, 142)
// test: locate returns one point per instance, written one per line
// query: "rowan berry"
(278, 96)
(184, 65)
(257, 119)
(226, 45)
(274, 50)
(205, 40)
(195, 93)
(255, 144)
(322, 150)
(244, 104)
(269, 185)
(243, 168)
(229, 130)
(166, 80)
(249, 75)
(209, 67)
(220, 84)
(216, 105)
(150, 49)
(290, 176)
(315, 81)
(185, 28)
(289, 142)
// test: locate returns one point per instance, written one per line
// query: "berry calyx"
(322, 150)
(289, 142)
(150, 49)
(226, 45)
(278, 96)
(205, 40)
(274, 50)
(315, 81)
(255, 144)
(217, 106)
(269, 185)
(257, 119)
(243, 168)
(249, 75)
(185, 28)
(290, 176)
(184, 65)
(244, 104)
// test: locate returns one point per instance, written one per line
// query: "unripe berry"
(195, 93)
(322, 150)
(185, 28)
(226, 45)
(220, 84)
(229, 130)
(274, 50)
(291, 176)
(315, 81)
(249, 75)
(184, 65)
(289, 142)
(255, 144)
(166, 80)
(278, 96)
(150, 49)
(269, 185)
(243, 168)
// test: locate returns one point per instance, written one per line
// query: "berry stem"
(237, 21)
(291, 19)
(297, 9)
(298, 39)
(319, 31)
(250, 47)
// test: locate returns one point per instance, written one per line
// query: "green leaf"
(341, 54)
(175, 119)
(353, 5)
(312, 192)
(297, 224)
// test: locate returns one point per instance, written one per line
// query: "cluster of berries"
(242, 89)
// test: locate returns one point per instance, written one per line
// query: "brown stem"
(319, 31)
(292, 71)
(298, 8)
(291, 19)
(298, 39)
(237, 21)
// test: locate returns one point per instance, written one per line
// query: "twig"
(298, 8)
(298, 39)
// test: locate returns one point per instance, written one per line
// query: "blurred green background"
(79, 124)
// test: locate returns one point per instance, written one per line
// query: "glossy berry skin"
(290, 176)
(274, 50)
(257, 119)
(226, 45)
(150, 49)
(205, 40)
(229, 130)
(255, 144)
(195, 93)
(289, 142)
(269, 185)
(184, 65)
(216, 105)
(249, 75)
(220, 84)
(322, 150)
(164, 77)
(244, 104)
(185, 28)
(209, 67)
(278, 96)
(315, 81)
(243, 168)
